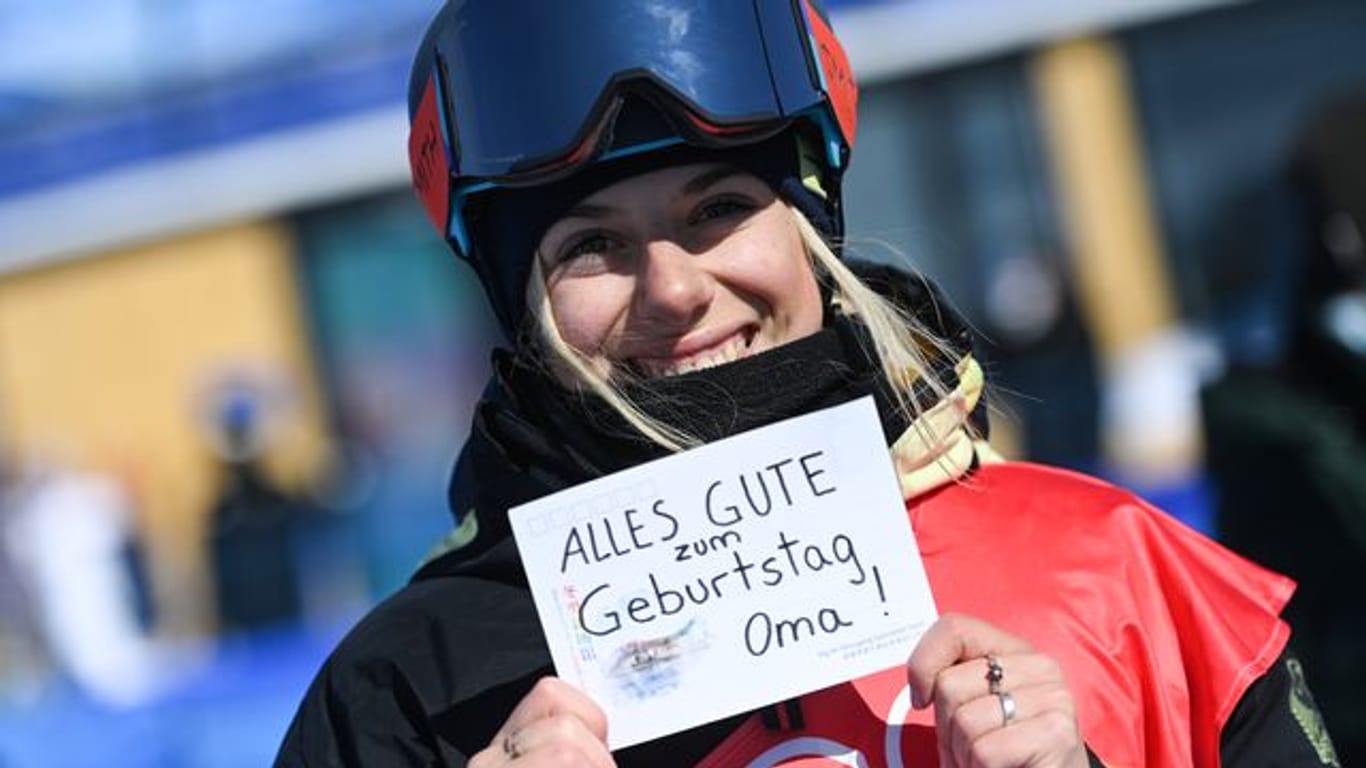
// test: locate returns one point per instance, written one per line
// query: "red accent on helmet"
(839, 77)
(712, 129)
(427, 159)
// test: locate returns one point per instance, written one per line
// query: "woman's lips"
(728, 349)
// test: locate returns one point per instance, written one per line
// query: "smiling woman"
(663, 250)
(677, 270)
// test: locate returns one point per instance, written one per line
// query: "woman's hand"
(553, 725)
(1027, 718)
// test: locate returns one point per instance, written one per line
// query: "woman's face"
(679, 269)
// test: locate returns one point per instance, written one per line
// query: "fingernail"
(916, 701)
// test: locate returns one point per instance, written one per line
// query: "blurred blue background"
(236, 364)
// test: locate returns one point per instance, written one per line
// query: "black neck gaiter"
(822, 370)
(532, 437)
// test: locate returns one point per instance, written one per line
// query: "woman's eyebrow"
(588, 211)
(708, 178)
(694, 186)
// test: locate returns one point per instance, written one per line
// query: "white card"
(729, 577)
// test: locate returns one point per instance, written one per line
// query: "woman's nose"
(672, 285)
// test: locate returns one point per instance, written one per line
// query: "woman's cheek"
(582, 314)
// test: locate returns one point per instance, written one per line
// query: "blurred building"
(202, 193)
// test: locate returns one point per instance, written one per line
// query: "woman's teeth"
(733, 349)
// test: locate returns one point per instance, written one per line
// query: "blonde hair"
(901, 343)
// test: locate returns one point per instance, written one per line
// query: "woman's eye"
(589, 245)
(586, 254)
(719, 209)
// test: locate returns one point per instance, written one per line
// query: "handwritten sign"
(729, 577)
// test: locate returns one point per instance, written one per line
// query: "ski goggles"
(522, 94)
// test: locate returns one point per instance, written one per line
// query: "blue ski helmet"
(513, 95)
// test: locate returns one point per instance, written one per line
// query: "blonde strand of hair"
(896, 335)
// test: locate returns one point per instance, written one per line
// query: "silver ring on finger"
(995, 674)
(1008, 708)
(510, 746)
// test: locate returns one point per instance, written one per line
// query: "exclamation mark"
(881, 593)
